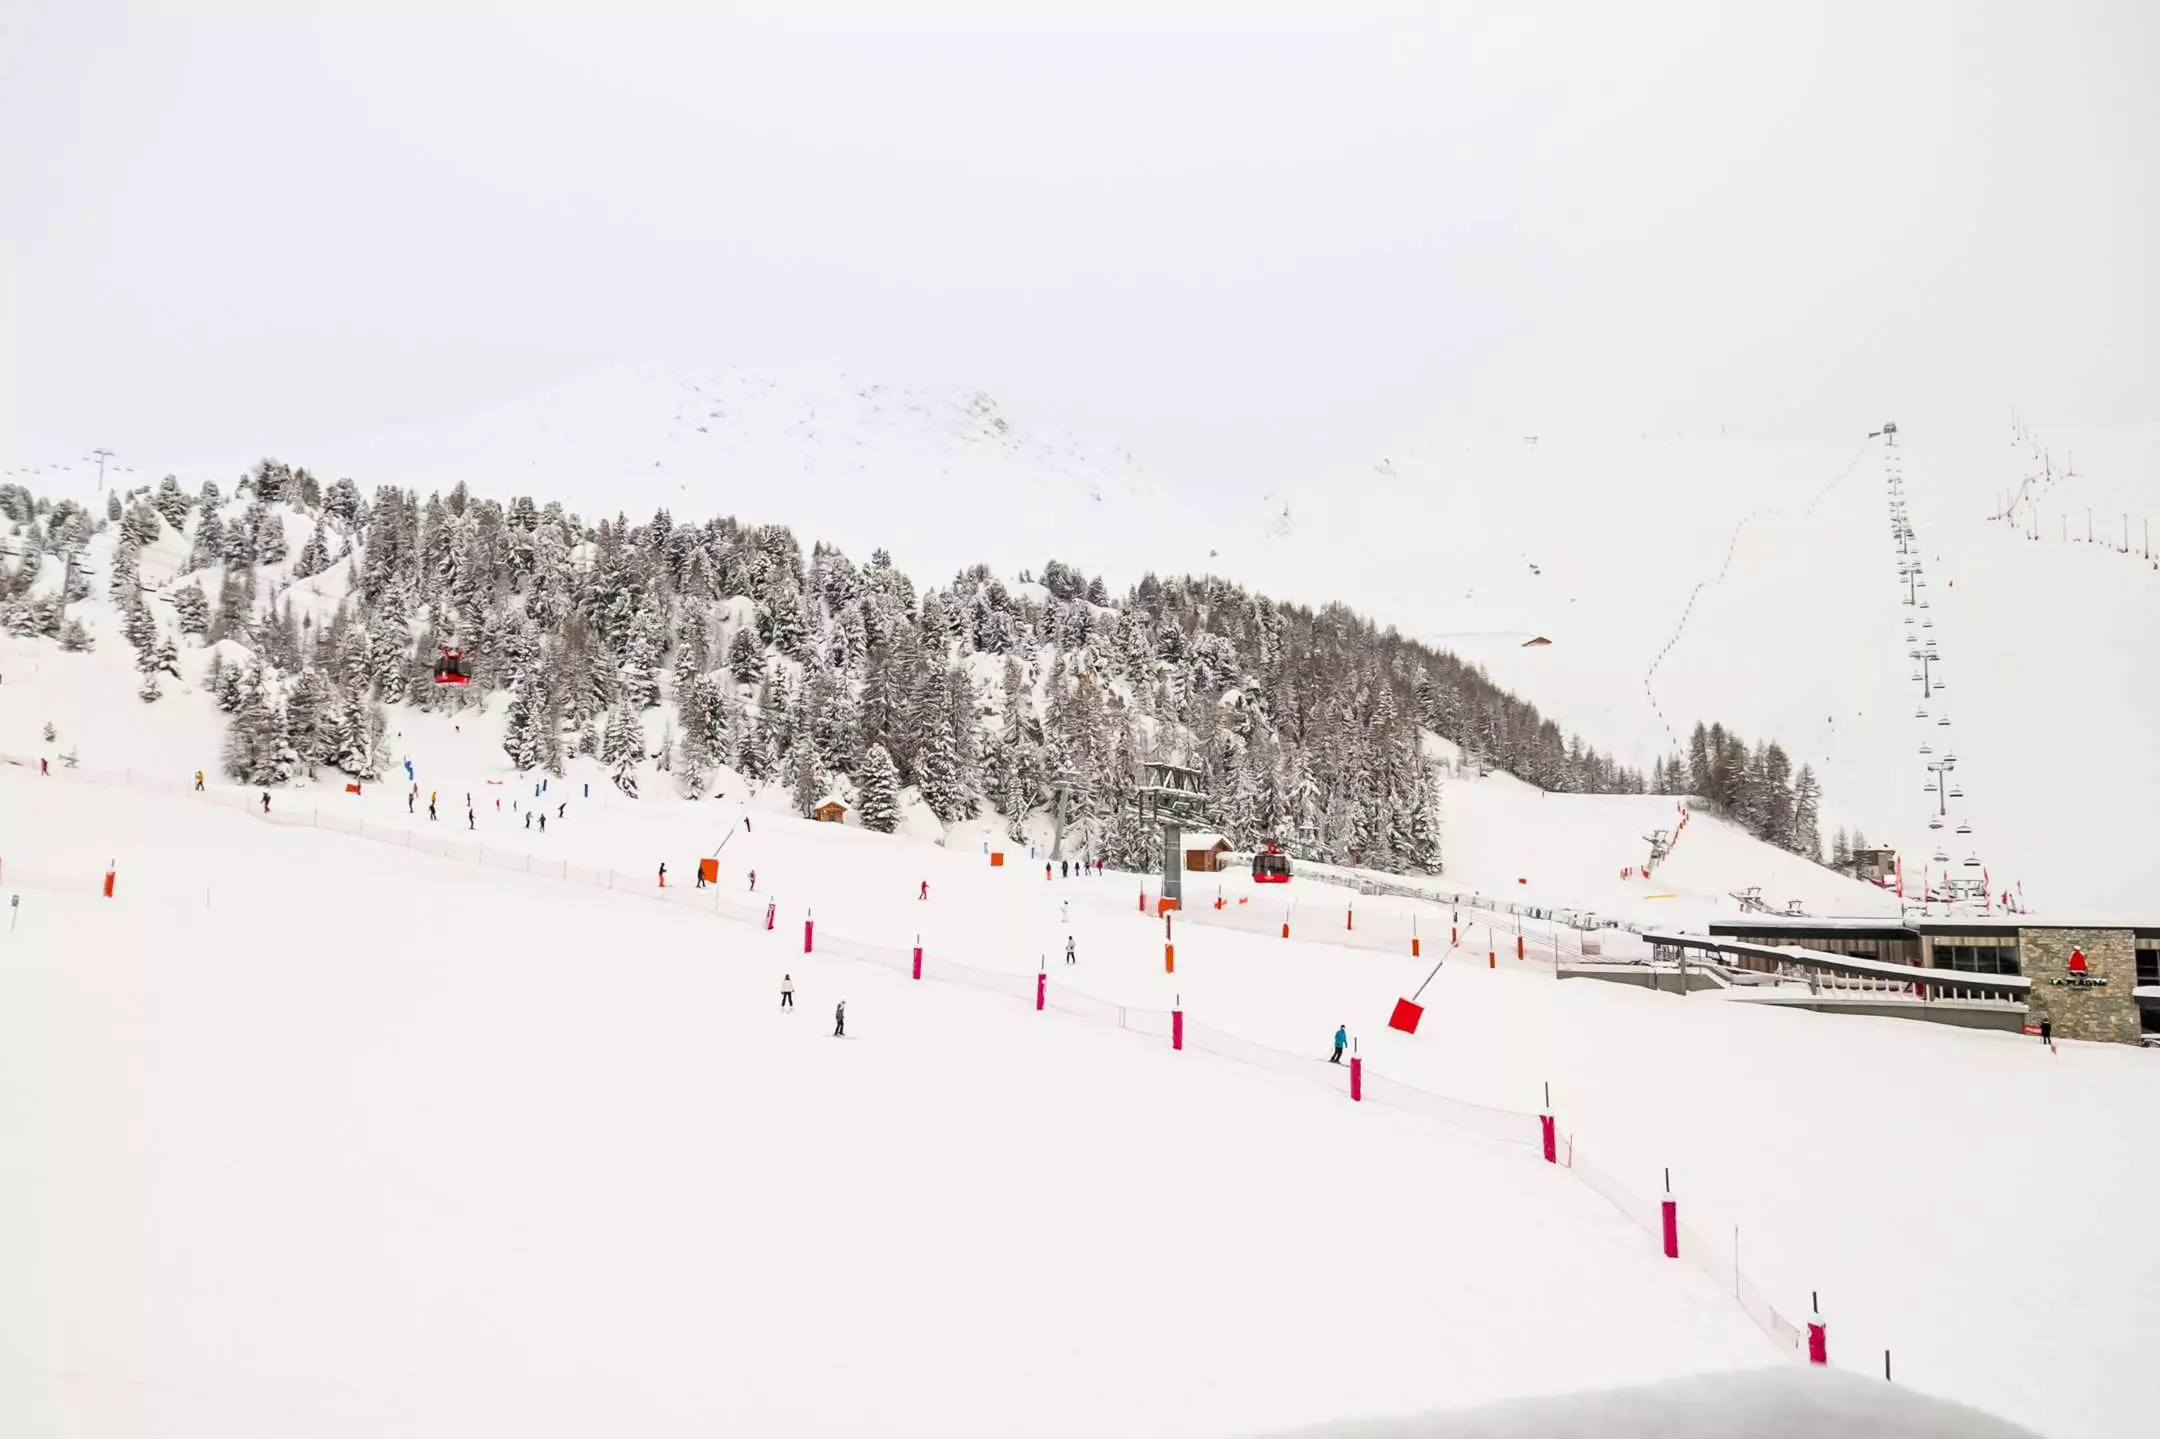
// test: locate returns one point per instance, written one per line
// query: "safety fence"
(1512, 940)
(1518, 1128)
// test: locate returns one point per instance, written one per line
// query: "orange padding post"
(108, 883)
(997, 859)
(1169, 959)
(1164, 904)
(709, 870)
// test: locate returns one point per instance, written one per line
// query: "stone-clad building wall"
(2103, 1011)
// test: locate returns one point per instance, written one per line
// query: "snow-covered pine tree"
(124, 585)
(258, 750)
(746, 659)
(1841, 849)
(314, 555)
(139, 625)
(624, 737)
(806, 778)
(363, 745)
(207, 548)
(1806, 825)
(75, 639)
(314, 713)
(172, 503)
(693, 760)
(877, 802)
(191, 607)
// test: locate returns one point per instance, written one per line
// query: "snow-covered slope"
(306, 1135)
(1723, 579)
(443, 1035)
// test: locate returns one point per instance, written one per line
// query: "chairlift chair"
(1941, 856)
(1944, 720)
(1963, 827)
(1934, 821)
(1927, 749)
(1919, 712)
(1956, 792)
(1972, 861)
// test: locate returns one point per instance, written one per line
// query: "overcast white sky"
(1244, 238)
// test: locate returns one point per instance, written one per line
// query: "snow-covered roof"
(835, 797)
(1201, 839)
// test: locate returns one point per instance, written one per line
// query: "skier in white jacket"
(787, 991)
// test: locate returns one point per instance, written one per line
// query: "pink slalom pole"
(1042, 987)
(806, 933)
(1818, 1334)
(918, 957)
(1357, 1077)
(1545, 1123)
(1671, 1212)
(1143, 899)
(1177, 1029)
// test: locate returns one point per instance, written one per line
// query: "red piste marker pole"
(1671, 1213)
(806, 931)
(1357, 1077)
(1177, 1025)
(1545, 1125)
(1042, 989)
(918, 956)
(1818, 1332)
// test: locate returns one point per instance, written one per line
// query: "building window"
(1987, 957)
(2148, 964)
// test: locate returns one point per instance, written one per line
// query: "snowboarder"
(787, 991)
(1069, 959)
(663, 869)
(1342, 1038)
(924, 892)
(198, 782)
(839, 1020)
(266, 801)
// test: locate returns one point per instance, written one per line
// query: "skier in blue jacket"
(1342, 1039)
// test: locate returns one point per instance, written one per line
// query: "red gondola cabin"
(452, 668)
(1271, 866)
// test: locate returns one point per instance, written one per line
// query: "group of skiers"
(1067, 868)
(787, 1001)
